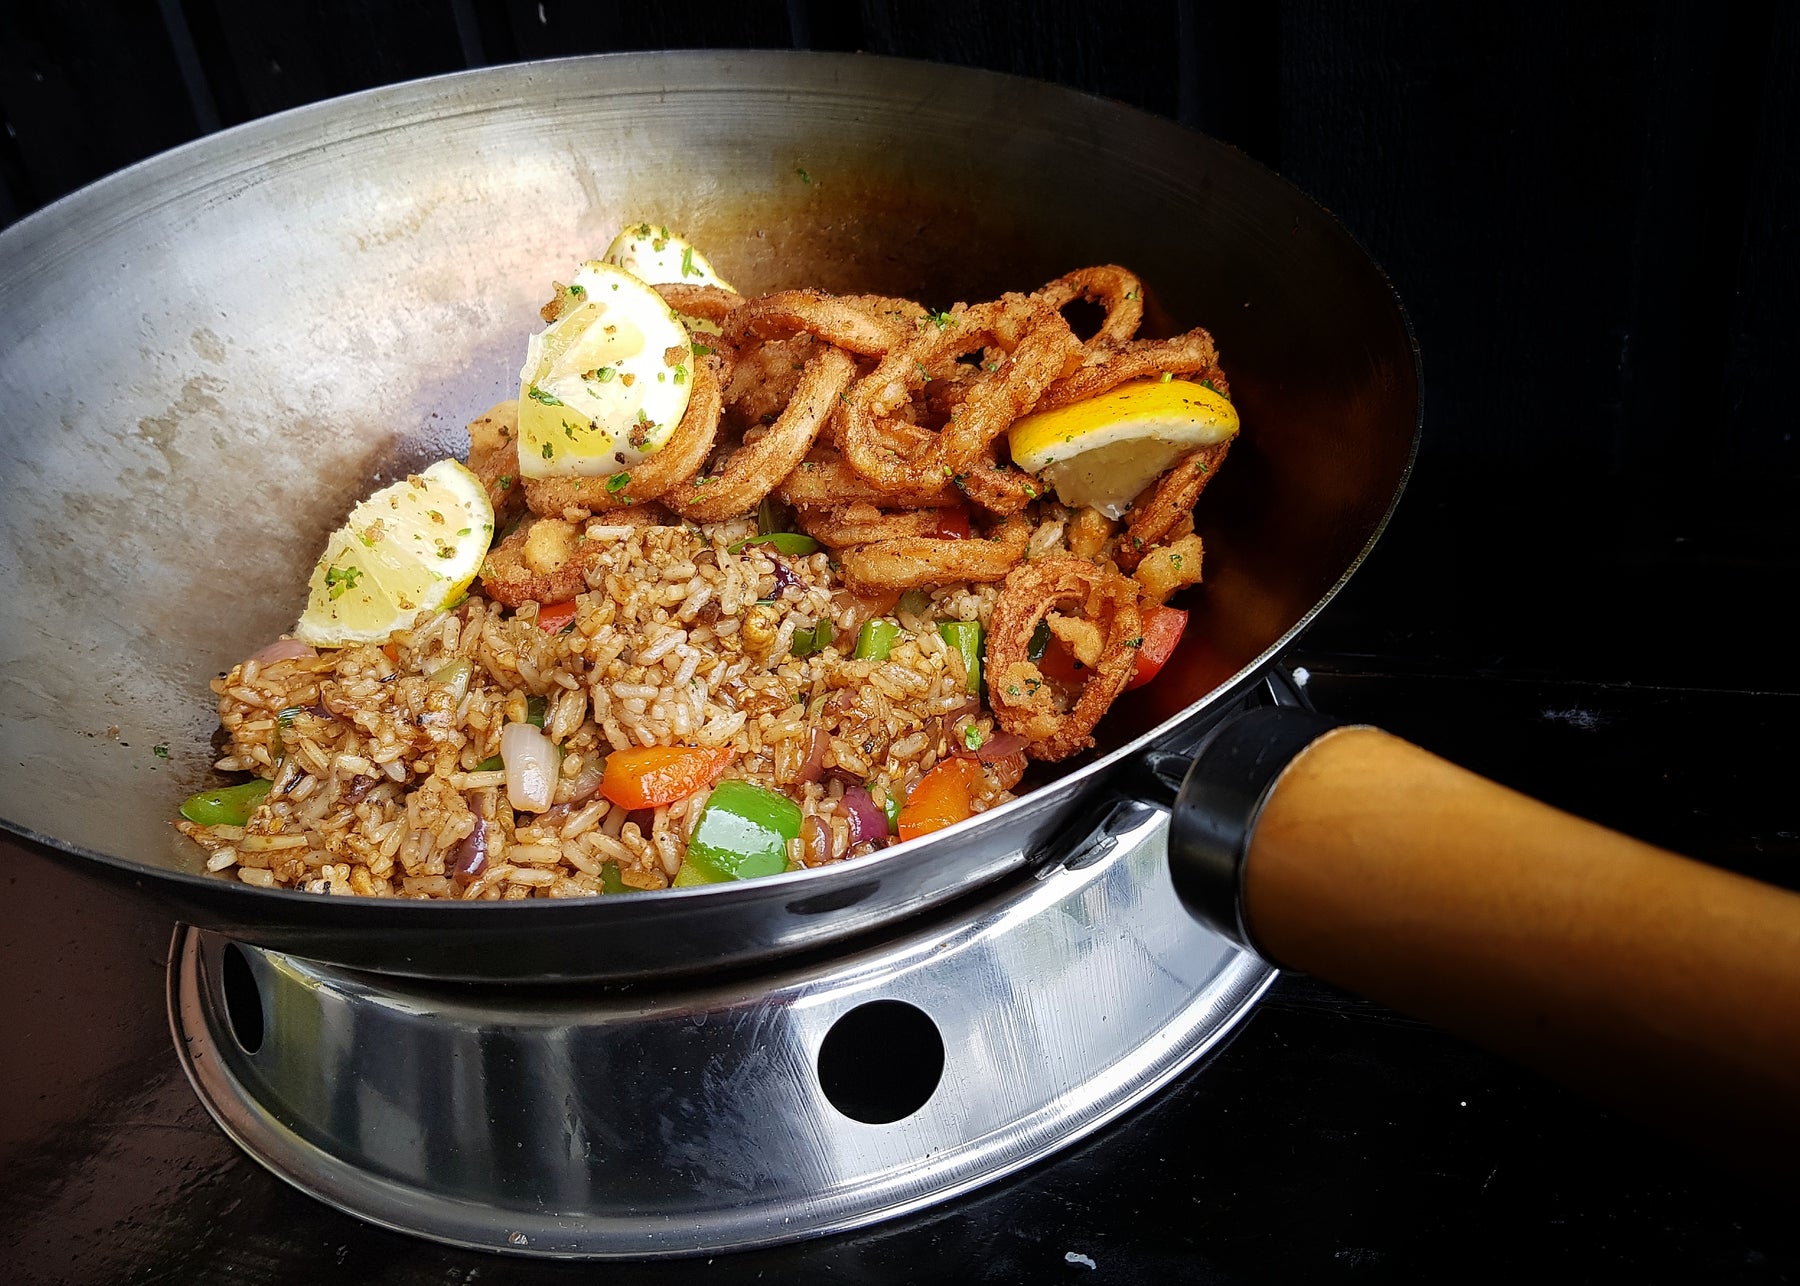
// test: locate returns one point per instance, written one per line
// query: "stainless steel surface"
(206, 358)
(658, 1121)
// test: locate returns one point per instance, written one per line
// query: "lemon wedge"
(409, 548)
(650, 252)
(605, 384)
(1104, 451)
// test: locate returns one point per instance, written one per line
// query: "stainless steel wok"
(205, 359)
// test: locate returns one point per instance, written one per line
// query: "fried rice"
(377, 764)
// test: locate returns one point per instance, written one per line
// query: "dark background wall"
(1591, 212)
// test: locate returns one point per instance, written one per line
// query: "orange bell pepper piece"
(941, 798)
(651, 776)
(553, 618)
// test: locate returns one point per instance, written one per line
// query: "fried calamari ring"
(1115, 289)
(751, 472)
(863, 524)
(710, 303)
(494, 457)
(814, 312)
(1022, 699)
(876, 441)
(1191, 354)
(823, 480)
(914, 562)
(677, 460)
(888, 310)
(1171, 501)
(996, 487)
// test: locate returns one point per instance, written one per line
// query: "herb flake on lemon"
(1106, 450)
(650, 252)
(606, 383)
(411, 547)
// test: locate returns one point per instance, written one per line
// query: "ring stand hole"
(881, 1061)
(243, 999)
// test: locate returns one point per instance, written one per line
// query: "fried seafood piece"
(1170, 503)
(882, 446)
(861, 523)
(1192, 354)
(1169, 568)
(764, 377)
(824, 480)
(837, 321)
(539, 562)
(998, 486)
(1088, 532)
(751, 471)
(678, 460)
(1024, 701)
(712, 303)
(1115, 289)
(915, 562)
(494, 457)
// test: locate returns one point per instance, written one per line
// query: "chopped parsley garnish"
(972, 737)
(687, 263)
(548, 451)
(465, 531)
(618, 482)
(537, 394)
(578, 290)
(924, 374)
(161, 752)
(341, 580)
(600, 374)
(1208, 384)
(700, 350)
(941, 319)
(804, 176)
(506, 481)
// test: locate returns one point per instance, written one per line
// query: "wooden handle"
(1663, 984)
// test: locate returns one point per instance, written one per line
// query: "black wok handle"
(1665, 985)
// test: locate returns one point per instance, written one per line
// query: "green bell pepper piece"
(743, 832)
(493, 763)
(806, 642)
(784, 542)
(965, 638)
(534, 710)
(227, 806)
(891, 806)
(610, 881)
(875, 640)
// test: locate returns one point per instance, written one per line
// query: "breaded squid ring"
(1115, 289)
(863, 524)
(677, 460)
(1039, 346)
(1174, 497)
(914, 562)
(814, 312)
(1191, 354)
(752, 471)
(823, 479)
(712, 303)
(1017, 691)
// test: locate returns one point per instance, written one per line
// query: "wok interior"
(207, 359)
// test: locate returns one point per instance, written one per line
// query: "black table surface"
(1330, 1139)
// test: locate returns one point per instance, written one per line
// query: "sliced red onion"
(472, 854)
(784, 577)
(284, 650)
(587, 781)
(532, 765)
(817, 743)
(643, 818)
(868, 823)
